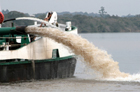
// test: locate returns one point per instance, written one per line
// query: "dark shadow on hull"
(43, 70)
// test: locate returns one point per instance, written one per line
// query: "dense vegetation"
(87, 22)
(107, 24)
(15, 14)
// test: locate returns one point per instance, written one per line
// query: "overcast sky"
(112, 7)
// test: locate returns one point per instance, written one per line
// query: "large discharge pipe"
(12, 30)
(21, 29)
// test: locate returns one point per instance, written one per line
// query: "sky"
(112, 7)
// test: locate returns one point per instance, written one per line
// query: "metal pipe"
(12, 30)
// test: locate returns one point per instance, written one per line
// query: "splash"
(132, 78)
(97, 59)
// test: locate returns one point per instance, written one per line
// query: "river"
(123, 47)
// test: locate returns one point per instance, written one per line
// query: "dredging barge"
(24, 57)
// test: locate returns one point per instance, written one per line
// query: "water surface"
(124, 48)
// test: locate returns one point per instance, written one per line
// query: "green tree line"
(87, 24)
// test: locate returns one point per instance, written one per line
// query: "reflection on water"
(72, 85)
(124, 48)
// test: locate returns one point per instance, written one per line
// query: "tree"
(5, 11)
(102, 12)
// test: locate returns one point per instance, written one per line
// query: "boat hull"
(37, 69)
